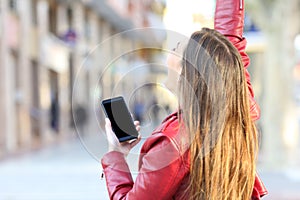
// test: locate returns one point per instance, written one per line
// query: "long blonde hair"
(216, 114)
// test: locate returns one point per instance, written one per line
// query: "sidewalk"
(282, 185)
(282, 179)
(63, 172)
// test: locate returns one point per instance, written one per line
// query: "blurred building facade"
(42, 46)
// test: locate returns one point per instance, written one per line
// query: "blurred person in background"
(208, 149)
(54, 112)
(139, 110)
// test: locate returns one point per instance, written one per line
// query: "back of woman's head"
(216, 114)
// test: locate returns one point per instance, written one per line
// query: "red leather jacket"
(164, 162)
(163, 168)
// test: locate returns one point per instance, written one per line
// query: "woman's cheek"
(173, 62)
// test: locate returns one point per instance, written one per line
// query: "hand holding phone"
(113, 142)
(121, 121)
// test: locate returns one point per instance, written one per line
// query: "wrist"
(116, 149)
(113, 149)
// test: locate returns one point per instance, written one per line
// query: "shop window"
(35, 107)
(13, 61)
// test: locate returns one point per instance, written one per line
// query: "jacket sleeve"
(229, 20)
(158, 177)
(259, 189)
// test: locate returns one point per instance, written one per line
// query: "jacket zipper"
(102, 175)
(241, 4)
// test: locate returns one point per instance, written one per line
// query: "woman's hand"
(113, 142)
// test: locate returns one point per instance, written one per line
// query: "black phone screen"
(120, 118)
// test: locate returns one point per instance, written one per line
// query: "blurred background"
(46, 46)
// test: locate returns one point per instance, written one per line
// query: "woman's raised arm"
(229, 20)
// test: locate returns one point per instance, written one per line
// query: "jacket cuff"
(115, 160)
(229, 17)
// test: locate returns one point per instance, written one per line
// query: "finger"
(135, 142)
(107, 122)
(136, 123)
(109, 132)
(107, 126)
(138, 128)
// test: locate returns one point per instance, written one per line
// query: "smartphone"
(122, 124)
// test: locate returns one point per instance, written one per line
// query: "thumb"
(136, 141)
(107, 123)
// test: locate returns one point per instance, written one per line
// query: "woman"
(208, 149)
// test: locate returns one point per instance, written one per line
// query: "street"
(67, 171)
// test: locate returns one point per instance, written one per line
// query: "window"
(34, 12)
(52, 18)
(70, 17)
(13, 5)
(87, 26)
